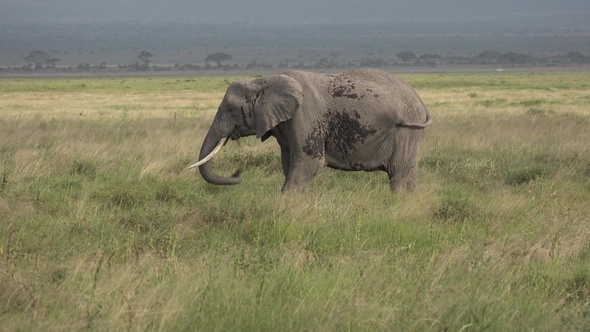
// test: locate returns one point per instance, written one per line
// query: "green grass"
(102, 227)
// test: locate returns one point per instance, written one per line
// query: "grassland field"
(103, 227)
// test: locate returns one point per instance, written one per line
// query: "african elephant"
(365, 120)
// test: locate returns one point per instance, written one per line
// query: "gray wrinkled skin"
(363, 120)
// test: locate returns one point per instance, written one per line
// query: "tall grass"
(102, 227)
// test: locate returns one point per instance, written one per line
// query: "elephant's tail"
(418, 125)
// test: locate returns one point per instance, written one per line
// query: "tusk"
(206, 159)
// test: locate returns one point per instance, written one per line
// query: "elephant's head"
(249, 107)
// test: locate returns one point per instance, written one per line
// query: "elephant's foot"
(291, 186)
(399, 186)
(403, 179)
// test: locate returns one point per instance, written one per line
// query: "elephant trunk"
(211, 145)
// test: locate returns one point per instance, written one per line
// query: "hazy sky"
(180, 31)
(277, 11)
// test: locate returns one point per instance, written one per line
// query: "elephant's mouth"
(235, 135)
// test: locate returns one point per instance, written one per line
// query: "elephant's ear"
(278, 99)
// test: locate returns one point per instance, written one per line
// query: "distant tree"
(406, 56)
(576, 57)
(252, 64)
(51, 62)
(429, 59)
(146, 57)
(489, 54)
(218, 58)
(374, 62)
(516, 58)
(487, 57)
(39, 58)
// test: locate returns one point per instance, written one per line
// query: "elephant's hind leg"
(403, 166)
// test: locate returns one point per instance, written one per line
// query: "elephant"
(365, 119)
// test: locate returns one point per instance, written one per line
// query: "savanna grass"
(104, 228)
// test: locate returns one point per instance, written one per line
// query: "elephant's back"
(372, 92)
(381, 92)
(380, 80)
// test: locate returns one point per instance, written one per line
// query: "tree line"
(43, 61)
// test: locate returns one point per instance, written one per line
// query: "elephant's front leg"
(302, 170)
(285, 160)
